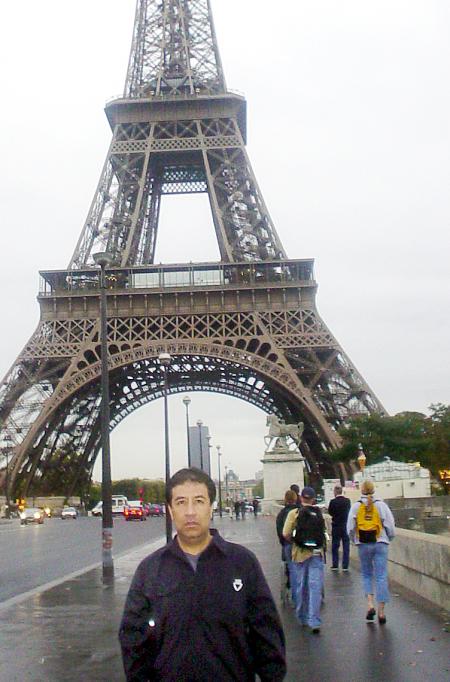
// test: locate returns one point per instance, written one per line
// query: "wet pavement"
(34, 554)
(69, 631)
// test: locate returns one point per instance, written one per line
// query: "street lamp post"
(208, 463)
(220, 482)
(186, 403)
(7, 510)
(199, 424)
(105, 259)
(361, 458)
(165, 360)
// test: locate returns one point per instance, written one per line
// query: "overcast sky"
(349, 137)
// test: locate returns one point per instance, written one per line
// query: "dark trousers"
(338, 534)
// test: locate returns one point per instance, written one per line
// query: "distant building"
(232, 476)
(241, 490)
(397, 479)
(199, 448)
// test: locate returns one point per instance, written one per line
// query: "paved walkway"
(68, 633)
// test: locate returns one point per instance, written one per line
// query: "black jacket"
(216, 624)
(281, 518)
(338, 509)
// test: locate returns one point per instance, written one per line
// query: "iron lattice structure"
(246, 326)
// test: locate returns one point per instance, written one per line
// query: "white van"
(119, 502)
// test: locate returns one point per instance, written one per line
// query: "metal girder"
(194, 155)
(174, 50)
(245, 327)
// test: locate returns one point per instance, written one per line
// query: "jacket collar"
(217, 543)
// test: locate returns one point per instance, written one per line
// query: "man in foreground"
(199, 609)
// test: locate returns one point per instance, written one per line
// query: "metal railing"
(221, 275)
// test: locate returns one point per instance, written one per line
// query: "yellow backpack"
(368, 523)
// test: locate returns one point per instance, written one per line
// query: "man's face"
(191, 511)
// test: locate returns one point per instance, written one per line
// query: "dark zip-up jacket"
(338, 509)
(281, 518)
(218, 623)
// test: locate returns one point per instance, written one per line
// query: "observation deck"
(179, 288)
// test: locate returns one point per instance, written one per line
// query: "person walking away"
(296, 490)
(255, 505)
(371, 527)
(305, 528)
(338, 509)
(237, 509)
(200, 608)
(243, 509)
(290, 503)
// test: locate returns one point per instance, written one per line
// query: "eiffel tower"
(246, 326)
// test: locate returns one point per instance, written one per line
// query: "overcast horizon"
(349, 137)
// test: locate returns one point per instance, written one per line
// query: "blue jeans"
(338, 534)
(373, 557)
(287, 557)
(308, 586)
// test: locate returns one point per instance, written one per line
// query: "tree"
(154, 490)
(128, 487)
(406, 437)
(258, 490)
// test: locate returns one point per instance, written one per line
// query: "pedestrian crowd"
(200, 608)
(301, 529)
(240, 508)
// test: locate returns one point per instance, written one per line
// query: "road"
(33, 555)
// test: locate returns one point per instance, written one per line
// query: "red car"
(155, 510)
(134, 512)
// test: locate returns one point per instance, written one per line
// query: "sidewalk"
(69, 632)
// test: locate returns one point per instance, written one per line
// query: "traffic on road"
(34, 552)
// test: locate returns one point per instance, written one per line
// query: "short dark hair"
(295, 488)
(194, 475)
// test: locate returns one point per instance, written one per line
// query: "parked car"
(97, 510)
(69, 513)
(31, 515)
(155, 510)
(134, 511)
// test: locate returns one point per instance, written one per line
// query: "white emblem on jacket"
(237, 584)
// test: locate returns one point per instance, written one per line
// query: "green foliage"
(258, 490)
(128, 487)
(406, 437)
(153, 490)
(95, 494)
(59, 473)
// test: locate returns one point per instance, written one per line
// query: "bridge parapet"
(421, 563)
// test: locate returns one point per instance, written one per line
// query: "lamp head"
(361, 457)
(199, 422)
(165, 359)
(186, 400)
(103, 258)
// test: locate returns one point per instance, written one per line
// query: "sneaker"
(335, 568)
(370, 615)
(346, 570)
(315, 631)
